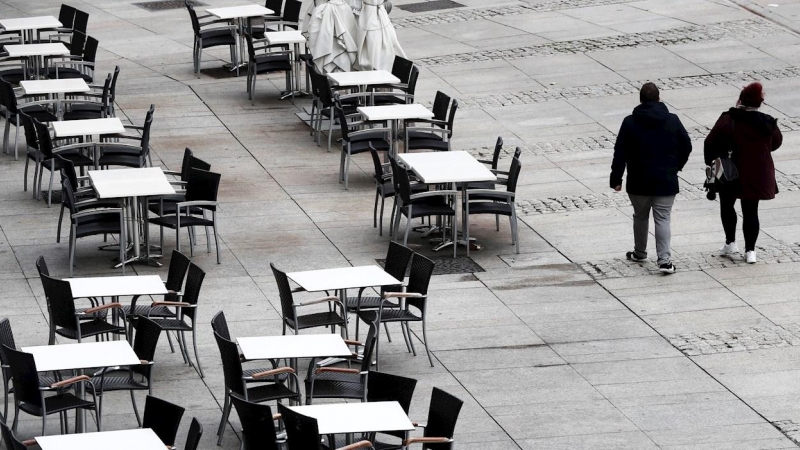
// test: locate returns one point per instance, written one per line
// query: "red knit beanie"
(752, 95)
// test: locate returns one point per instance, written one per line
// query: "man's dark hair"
(649, 93)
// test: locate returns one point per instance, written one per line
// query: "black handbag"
(724, 169)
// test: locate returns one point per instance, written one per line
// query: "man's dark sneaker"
(632, 257)
(667, 268)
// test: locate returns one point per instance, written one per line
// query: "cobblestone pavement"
(748, 339)
(674, 36)
(689, 262)
(463, 15)
(628, 87)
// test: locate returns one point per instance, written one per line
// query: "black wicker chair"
(302, 432)
(296, 322)
(436, 136)
(11, 442)
(163, 417)
(441, 425)
(194, 435)
(218, 35)
(258, 425)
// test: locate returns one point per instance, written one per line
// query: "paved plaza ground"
(563, 346)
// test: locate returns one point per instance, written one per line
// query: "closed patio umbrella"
(377, 41)
(331, 30)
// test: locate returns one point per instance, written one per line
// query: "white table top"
(82, 356)
(30, 23)
(361, 78)
(88, 127)
(343, 278)
(118, 183)
(395, 112)
(56, 49)
(293, 346)
(446, 167)
(236, 12)
(136, 439)
(116, 286)
(284, 37)
(61, 86)
(342, 418)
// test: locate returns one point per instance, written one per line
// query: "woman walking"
(751, 137)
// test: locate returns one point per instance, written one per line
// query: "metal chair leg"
(196, 356)
(425, 339)
(135, 409)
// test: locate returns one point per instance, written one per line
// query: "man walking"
(654, 145)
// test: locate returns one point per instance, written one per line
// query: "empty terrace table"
(137, 439)
(295, 38)
(55, 88)
(446, 168)
(293, 347)
(394, 114)
(356, 418)
(78, 357)
(240, 14)
(36, 53)
(88, 128)
(27, 25)
(362, 78)
(133, 185)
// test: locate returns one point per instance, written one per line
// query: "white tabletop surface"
(82, 356)
(61, 86)
(30, 23)
(363, 77)
(284, 37)
(136, 439)
(16, 50)
(293, 346)
(118, 183)
(88, 127)
(342, 418)
(343, 278)
(446, 167)
(235, 12)
(395, 112)
(116, 286)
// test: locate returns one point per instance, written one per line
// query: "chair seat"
(503, 209)
(428, 144)
(267, 392)
(352, 303)
(143, 310)
(389, 100)
(272, 63)
(83, 115)
(13, 76)
(77, 159)
(134, 161)
(362, 145)
(171, 221)
(37, 112)
(57, 403)
(390, 315)
(479, 185)
(388, 188)
(98, 224)
(121, 382)
(369, 136)
(417, 134)
(168, 324)
(213, 38)
(67, 72)
(111, 149)
(431, 206)
(170, 206)
(336, 385)
(91, 328)
(316, 320)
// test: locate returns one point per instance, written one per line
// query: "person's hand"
(618, 188)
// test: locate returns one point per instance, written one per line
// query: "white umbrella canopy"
(331, 31)
(377, 41)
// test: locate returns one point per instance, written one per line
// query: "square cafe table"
(27, 25)
(362, 78)
(131, 185)
(36, 53)
(82, 356)
(55, 88)
(88, 128)
(136, 439)
(295, 38)
(354, 418)
(240, 14)
(394, 114)
(116, 286)
(451, 168)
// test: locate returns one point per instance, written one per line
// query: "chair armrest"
(88, 202)
(336, 370)
(29, 442)
(430, 121)
(102, 307)
(171, 172)
(490, 192)
(96, 211)
(426, 440)
(146, 363)
(402, 295)
(369, 130)
(433, 194)
(196, 203)
(357, 445)
(320, 300)
(277, 416)
(351, 342)
(70, 381)
(178, 304)
(269, 373)
(62, 148)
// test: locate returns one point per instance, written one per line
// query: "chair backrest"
(163, 418)
(369, 346)
(302, 432)
(442, 417)
(451, 117)
(81, 23)
(148, 123)
(67, 193)
(402, 185)
(251, 51)
(11, 442)
(285, 292)
(194, 435)
(30, 131)
(145, 343)
(419, 279)
(397, 258)
(498, 148)
(401, 68)
(176, 274)
(113, 90)
(385, 387)
(275, 5)
(513, 175)
(194, 163)
(6, 338)
(191, 292)
(41, 266)
(203, 186)
(43, 139)
(66, 15)
(76, 43)
(376, 162)
(59, 297)
(220, 325)
(195, 20)
(440, 104)
(291, 12)
(258, 428)
(24, 376)
(412, 81)
(9, 99)
(90, 50)
(106, 101)
(231, 364)
(187, 153)
(324, 90)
